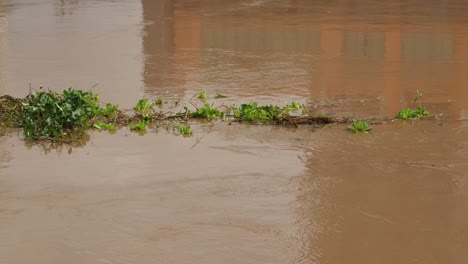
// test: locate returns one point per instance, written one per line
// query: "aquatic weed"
(158, 101)
(207, 112)
(138, 126)
(359, 126)
(109, 111)
(50, 115)
(417, 113)
(184, 130)
(100, 125)
(143, 104)
(145, 109)
(295, 105)
(202, 95)
(408, 113)
(254, 113)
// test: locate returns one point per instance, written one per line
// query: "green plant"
(207, 112)
(417, 113)
(145, 109)
(139, 126)
(184, 130)
(47, 114)
(359, 126)
(104, 126)
(254, 113)
(295, 105)
(202, 95)
(143, 104)
(158, 101)
(109, 111)
(408, 113)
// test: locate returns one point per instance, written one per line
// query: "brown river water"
(241, 193)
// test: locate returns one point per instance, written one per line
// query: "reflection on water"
(76, 43)
(3, 48)
(241, 194)
(222, 198)
(65, 7)
(312, 49)
(395, 197)
(369, 56)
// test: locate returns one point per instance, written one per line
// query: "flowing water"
(241, 193)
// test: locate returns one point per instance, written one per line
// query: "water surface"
(241, 193)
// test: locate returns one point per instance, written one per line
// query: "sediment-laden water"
(241, 193)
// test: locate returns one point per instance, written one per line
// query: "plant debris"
(66, 117)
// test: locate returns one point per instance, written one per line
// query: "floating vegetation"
(140, 125)
(99, 125)
(54, 116)
(158, 101)
(66, 117)
(184, 130)
(295, 105)
(207, 112)
(202, 95)
(416, 113)
(143, 105)
(408, 113)
(359, 126)
(254, 113)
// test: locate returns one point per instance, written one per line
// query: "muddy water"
(239, 193)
